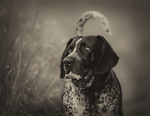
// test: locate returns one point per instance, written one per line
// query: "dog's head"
(85, 56)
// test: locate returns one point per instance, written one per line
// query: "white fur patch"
(74, 52)
(73, 76)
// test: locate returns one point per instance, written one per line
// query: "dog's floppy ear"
(65, 53)
(108, 58)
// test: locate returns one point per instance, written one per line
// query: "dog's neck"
(100, 81)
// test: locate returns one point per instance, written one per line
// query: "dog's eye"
(85, 48)
(70, 50)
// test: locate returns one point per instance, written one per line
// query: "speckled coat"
(105, 101)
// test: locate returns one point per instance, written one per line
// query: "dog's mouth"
(84, 80)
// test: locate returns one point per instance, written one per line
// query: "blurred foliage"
(33, 34)
(29, 70)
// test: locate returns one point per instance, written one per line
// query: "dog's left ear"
(108, 58)
(65, 53)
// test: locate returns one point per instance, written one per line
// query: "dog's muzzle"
(80, 81)
(68, 61)
(80, 78)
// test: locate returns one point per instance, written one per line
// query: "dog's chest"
(73, 101)
(96, 103)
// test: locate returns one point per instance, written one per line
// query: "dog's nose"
(68, 61)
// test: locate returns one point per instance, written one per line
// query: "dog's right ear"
(65, 53)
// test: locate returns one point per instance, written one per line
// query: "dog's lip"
(84, 80)
(83, 84)
(78, 77)
(72, 75)
(79, 83)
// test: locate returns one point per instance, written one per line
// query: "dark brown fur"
(91, 87)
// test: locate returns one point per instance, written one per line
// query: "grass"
(29, 83)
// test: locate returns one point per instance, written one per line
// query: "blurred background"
(33, 35)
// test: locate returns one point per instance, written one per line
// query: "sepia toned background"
(33, 35)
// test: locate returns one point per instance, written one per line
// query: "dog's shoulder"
(109, 99)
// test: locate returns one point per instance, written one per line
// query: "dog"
(91, 87)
